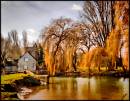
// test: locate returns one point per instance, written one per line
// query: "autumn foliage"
(118, 38)
(71, 45)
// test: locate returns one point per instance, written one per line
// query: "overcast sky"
(32, 16)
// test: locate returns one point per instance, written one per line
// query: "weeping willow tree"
(48, 57)
(63, 38)
(114, 37)
(98, 20)
(119, 34)
(61, 41)
(54, 36)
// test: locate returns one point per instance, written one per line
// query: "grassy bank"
(12, 83)
(8, 79)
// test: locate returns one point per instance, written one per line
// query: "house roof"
(32, 56)
(11, 63)
(29, 54)
(35, 45)
(30, 49)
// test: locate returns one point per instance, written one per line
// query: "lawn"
(8, 79)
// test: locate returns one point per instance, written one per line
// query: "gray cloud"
(23, 15)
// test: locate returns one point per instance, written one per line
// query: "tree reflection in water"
(64, 88)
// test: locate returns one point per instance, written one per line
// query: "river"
(72, 88)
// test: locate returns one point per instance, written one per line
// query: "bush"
(9, 88)
(28, 81)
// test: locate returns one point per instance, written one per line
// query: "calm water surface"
(65, 88)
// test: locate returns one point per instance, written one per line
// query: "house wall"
(11, 68)
(29, 65)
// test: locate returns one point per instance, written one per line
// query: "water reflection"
(64, 88)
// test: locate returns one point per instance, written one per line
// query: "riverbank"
(115, 73)
(14, 83)
(110, 73)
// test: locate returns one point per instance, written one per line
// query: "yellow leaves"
(113, 45)
(48, 58)
(68, 57)
(119, 32)
(126, 61)
(64, 56)
(93, 58)
(84, 60)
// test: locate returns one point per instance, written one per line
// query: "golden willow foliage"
(47, 56)
(61, 42)
(103, 56)
(113, 45)
(125, 30)
(119, 32)
(63, 38)
(96, 57)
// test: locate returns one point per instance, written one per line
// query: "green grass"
(8, 79)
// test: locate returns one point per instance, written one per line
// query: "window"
(25, 59)
(25, 67)
(33, 66)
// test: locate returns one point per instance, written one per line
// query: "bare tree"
(99, 14)
(5, 49)
(25, 39)
(15, 51)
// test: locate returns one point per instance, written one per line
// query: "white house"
(27, 62)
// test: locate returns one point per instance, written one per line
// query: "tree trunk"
(3, 71)
(99, 68)
(74, 62)
(123, 67)
(112, 14)
(106, 68)
(89, 70)
(110, 66)
(116, 65)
